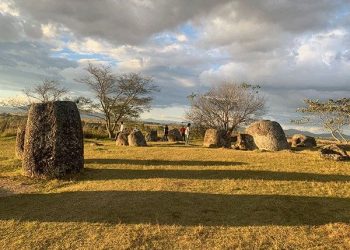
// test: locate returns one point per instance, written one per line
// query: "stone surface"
(215, 138)
(334, 152)
(268, 135)
(245, 142)
(152, 136)
(176, 133)
(137, 139)
(122, 139)
(299, 140)
(53, 145)
(20, 142)
(172, 138)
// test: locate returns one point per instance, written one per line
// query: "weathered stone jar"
(20, 141)
(136, 139)
(53, 145)
(268, 135)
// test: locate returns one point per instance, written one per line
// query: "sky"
(293, 49)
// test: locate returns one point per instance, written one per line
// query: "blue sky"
(293, 49)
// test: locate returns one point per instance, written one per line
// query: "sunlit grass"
(177, 196)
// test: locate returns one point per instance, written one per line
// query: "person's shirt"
(166, 130)
(187, 131)
(121, 127)
(182, 130)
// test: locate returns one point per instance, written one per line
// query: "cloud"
(9, 27)
(293, 49)
(23, 64)
(120, 22)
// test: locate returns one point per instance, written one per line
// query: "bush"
(9, 124)
(94, 130)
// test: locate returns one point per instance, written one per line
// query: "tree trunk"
(341, 135)
(109, 129)
(335, 137)
(110, 134)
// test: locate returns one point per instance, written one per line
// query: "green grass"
(174, 196)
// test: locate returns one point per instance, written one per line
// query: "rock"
(152, 136)
(122, 139)
(268, 135)
(299, 140)
(334, 152)
(20, 142)
(95, 144)
(245, 142)
(172, 138)
(53, 145)
(176, 133)
(234, 139)
(137, 139)
(215, 138)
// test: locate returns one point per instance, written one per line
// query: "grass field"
(174, 196)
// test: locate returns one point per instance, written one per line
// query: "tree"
(46, 91)
(117, 96)
(226, 106)
(332, 114)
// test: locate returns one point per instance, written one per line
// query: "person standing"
(182, 131)
(187, 133)
(121, 129)
(166, 132)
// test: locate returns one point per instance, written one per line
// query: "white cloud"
(293, 49)
(182, 38)
(49, 30)
(7, 7)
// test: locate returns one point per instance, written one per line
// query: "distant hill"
(7, 110)
(150, 120)
(290, 132)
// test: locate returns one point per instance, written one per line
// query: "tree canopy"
(226, 106)
(117, 97)
(334, 115)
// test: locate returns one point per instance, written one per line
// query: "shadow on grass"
(175, 208)
(4, 192)
(175, 145)
(300, 149)
(112, 174)
(161, 162)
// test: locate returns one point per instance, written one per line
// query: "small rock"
(299, 140)
(245, 142)
(334, 152)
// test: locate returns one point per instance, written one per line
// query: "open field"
(175, 196)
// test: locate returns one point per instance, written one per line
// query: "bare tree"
(332, 114)
(46, 91)
(226, 106)
(117, 96)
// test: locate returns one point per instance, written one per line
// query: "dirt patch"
(10, 187)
